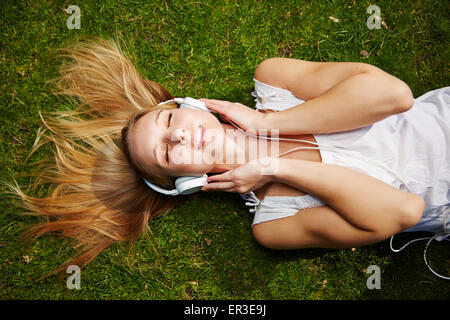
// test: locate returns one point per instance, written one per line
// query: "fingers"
(219, 182)
(216, 105)
(226, 176)
(216, 102)
(220, 186)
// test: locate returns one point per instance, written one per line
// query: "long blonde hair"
(96, 194)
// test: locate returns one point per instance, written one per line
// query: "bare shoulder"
(273, 70)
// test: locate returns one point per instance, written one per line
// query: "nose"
(180, 135)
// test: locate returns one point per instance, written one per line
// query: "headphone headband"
(188, 103)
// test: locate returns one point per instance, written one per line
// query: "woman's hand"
(245, 178)
(246, 118)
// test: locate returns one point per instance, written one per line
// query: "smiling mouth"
(203, 136)
(199, 137)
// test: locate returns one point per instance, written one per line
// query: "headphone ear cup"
(187, 185)
(194, 104)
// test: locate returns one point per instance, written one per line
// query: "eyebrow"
(157, 116)
(154, 148)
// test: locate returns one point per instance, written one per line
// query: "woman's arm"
(318, 227)
(341, 95)
(365, 202)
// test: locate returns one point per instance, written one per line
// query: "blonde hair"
(97, 195)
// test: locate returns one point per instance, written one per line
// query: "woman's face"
(178, 142)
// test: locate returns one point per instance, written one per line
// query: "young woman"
(119, 135)
(314, 200)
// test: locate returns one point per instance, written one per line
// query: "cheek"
(207, 120)
(184, 160)
(181, 157)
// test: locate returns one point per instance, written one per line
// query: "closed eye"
(167, 146)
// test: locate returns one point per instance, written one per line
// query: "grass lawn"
(204, 249)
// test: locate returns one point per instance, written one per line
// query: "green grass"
(204, 249)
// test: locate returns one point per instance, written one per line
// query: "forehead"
(144, 137)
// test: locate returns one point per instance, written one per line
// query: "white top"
(415, 144)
